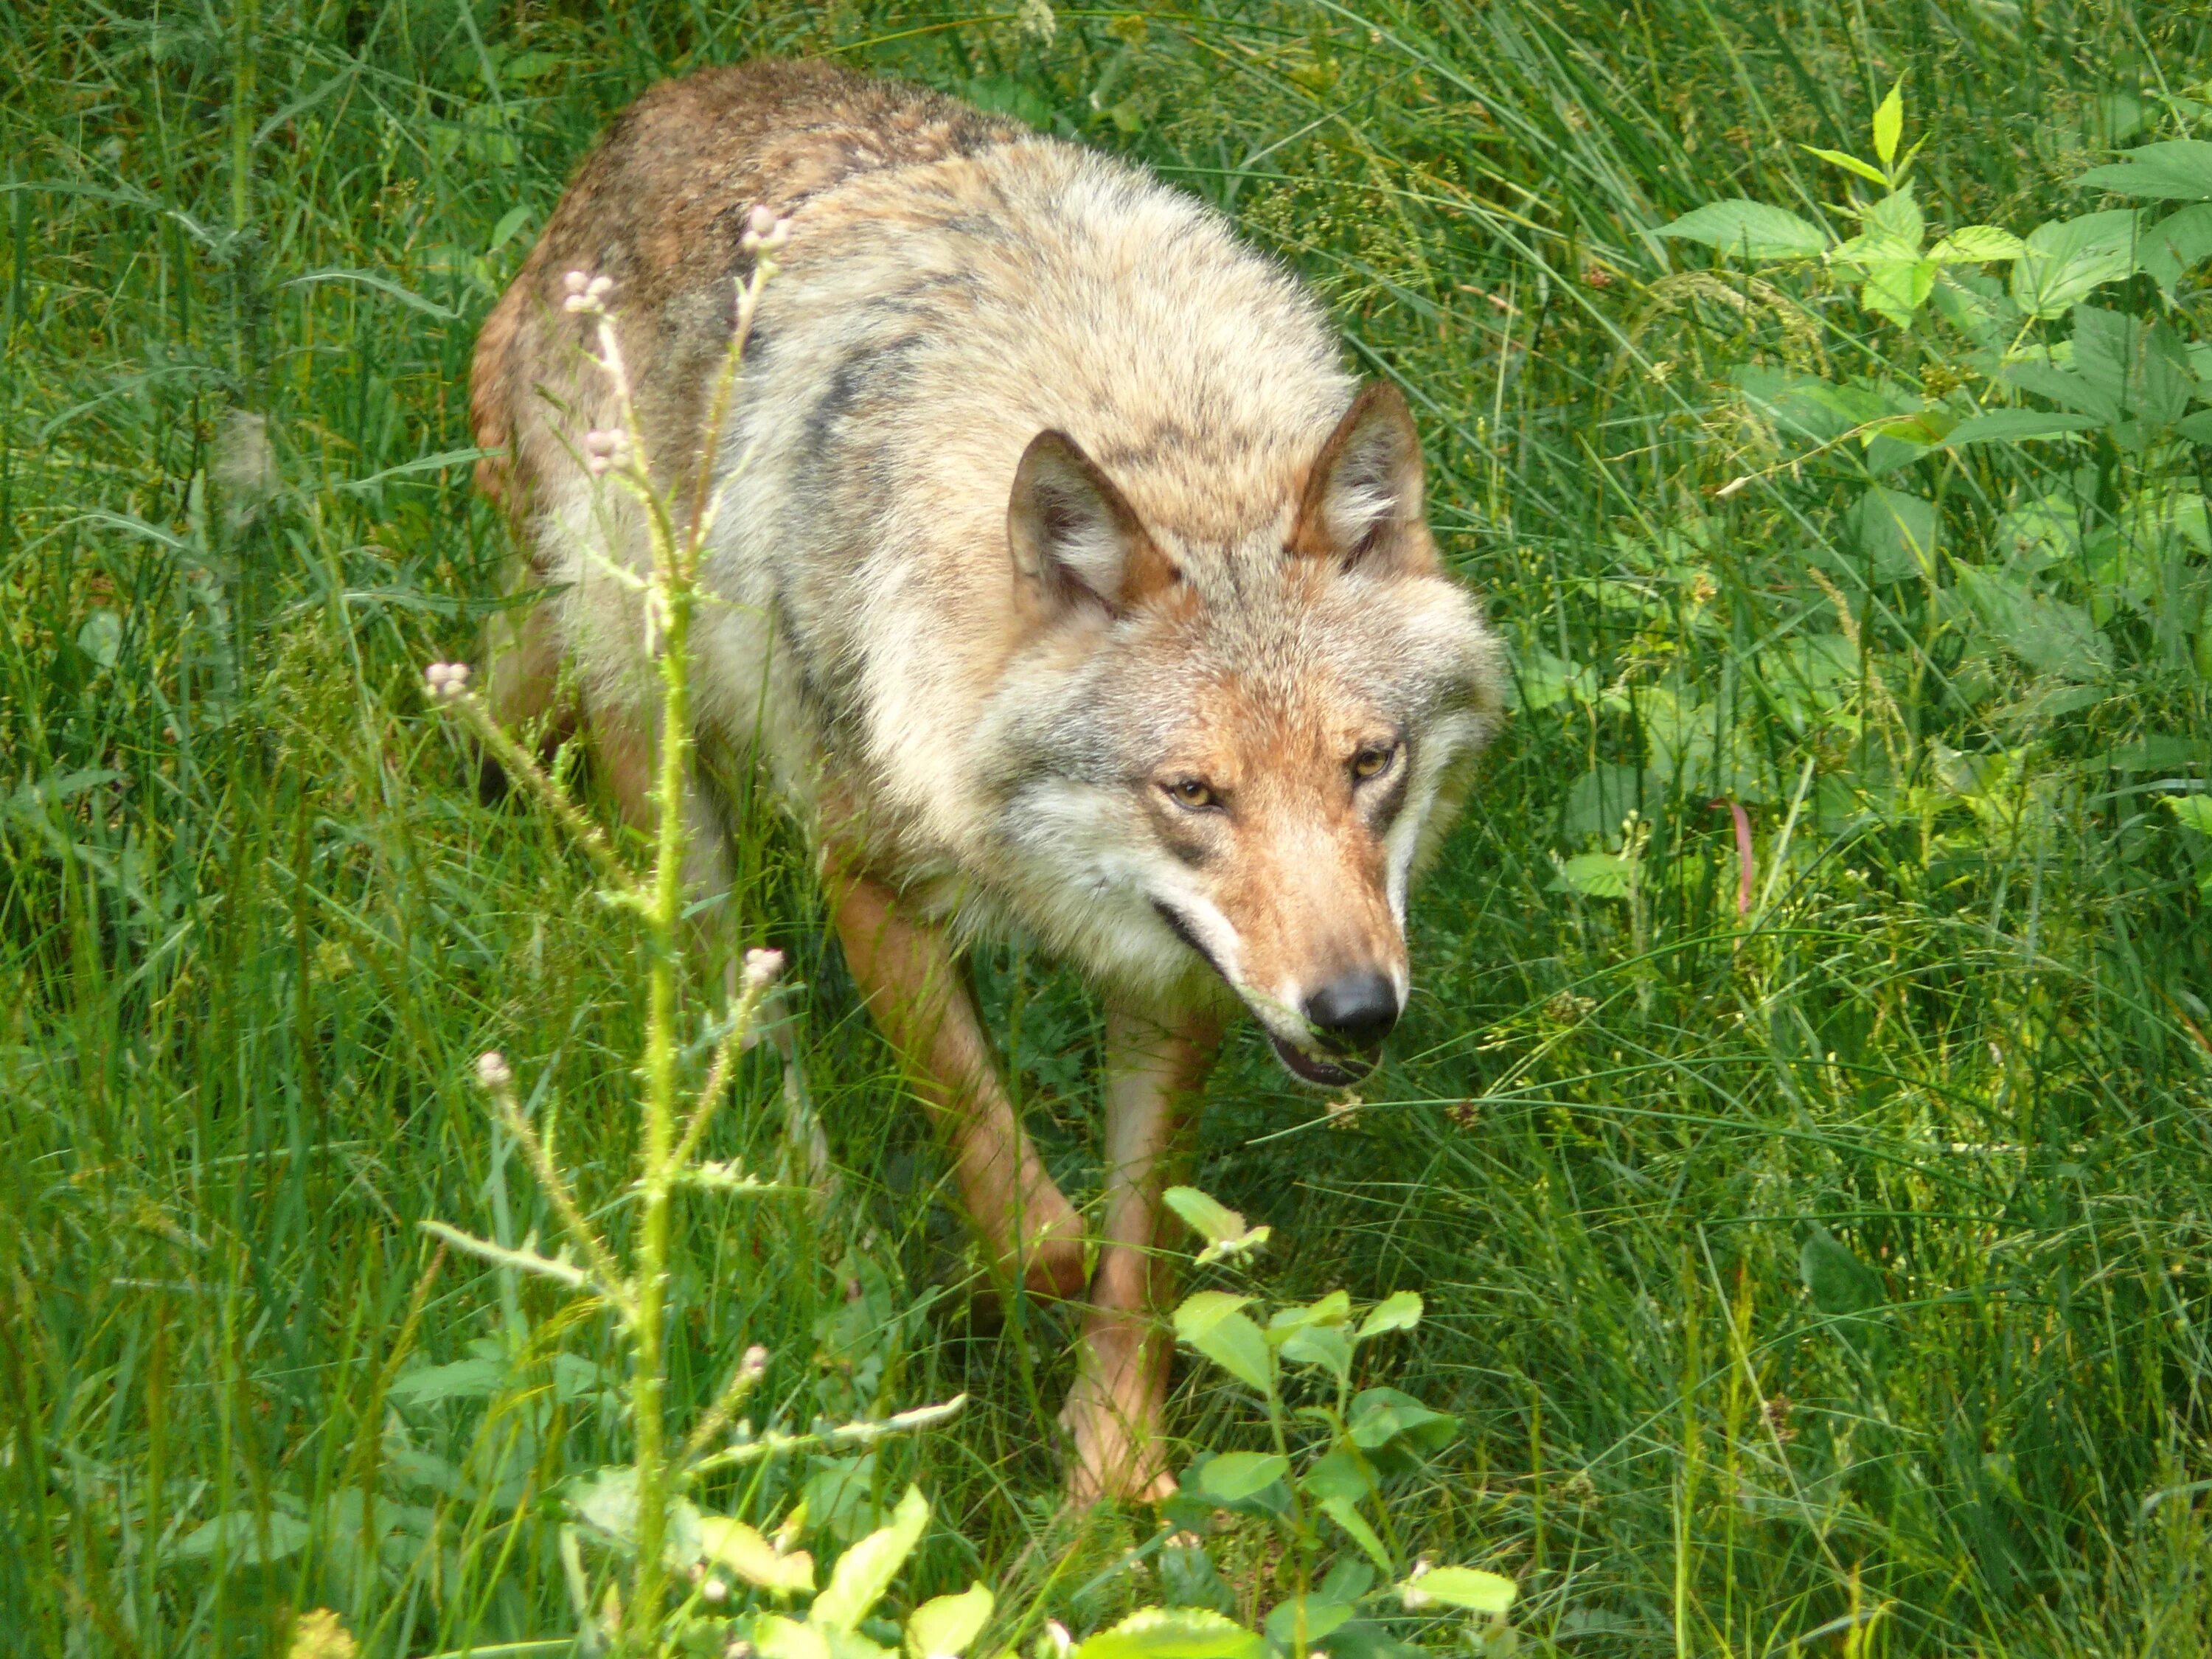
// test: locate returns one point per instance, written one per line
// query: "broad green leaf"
(1341, 1473)
(2065, 260)
(942, 1628)
(1212, 1221)
(1895, 532)
(1399, 1311)
(778, 1638)
(1459, 1587)
(1234, 1343)
(1977, 245)
(2193, 811)
(244, 1538)
(1896, 289)
(2177, 245)
(1173, 1633)
(1753, 230)
(2016, 426)
(101, 639)
(464, 1379)
(1544, 681)
(1223, 1228)
(1865, 170)
(1320, 1345)
(1839, 1282)
(864, 1571)
(1323, 1618)
(732, 1544)
(1889, 124)
(1382, 1415)
(1895, 220)
(1597, 875)
(1234, 1476)
(1201, 1310)
(2179, 170)
(2051, 635)
(1346, 1515)
(1331, 1309)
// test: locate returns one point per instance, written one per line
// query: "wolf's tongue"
(1330, 1071)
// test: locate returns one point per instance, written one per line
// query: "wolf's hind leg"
(905, 969)
(1155, 1065)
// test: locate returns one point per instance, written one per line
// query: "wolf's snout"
(1354, 1012)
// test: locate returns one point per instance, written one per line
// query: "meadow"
(1802, 1131)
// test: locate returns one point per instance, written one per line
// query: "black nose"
(1354, 1012)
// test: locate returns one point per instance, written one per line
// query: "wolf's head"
(1234, 752)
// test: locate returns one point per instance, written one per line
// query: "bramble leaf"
(1753, 230)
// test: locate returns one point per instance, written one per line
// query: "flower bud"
(762, 968)
(492, 1071)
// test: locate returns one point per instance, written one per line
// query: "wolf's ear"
(1362, 503)
(1075, 539)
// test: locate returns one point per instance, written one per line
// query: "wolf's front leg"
(1155, 1065)
(906, 970)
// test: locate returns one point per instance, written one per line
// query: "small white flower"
(575, 281)
(1036, 20)
(715, 1589)
(762, 968)
(444, 682)
(1057, 1633)
(606, 450)
(492, 1070)
(763, 230)
(755, 1361)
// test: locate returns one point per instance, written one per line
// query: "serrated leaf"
(864, 1571)
(1753, 230)
(2178, 170)
(1597, 875)
(1889, 124)
(1235, 1476)
(1850, 164)
(731, 1544)
(1212, 1221)
(778, 1638)
(1383, 1414)
(2194, 811)
(1201, 1310)
(2051, 635)
(1173, 1633)
(1977, 245)
(1460, 1587)
(1234, 1344)
(464, 1379)
(1331, 1309)
(1399, 1311)
(942, 1627)
(1345, 1513)
(1896, 289)
(2062, 261)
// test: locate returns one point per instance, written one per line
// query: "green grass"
(1837, 1272)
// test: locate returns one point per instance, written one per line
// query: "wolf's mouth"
(1328, 1071)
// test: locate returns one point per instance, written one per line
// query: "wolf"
(1065, 583)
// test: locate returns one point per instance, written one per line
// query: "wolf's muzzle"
(1354, 1012)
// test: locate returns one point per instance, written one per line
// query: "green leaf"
(1895, 221)
(1382, 1415)
(244, 1538)
(2179, 170)
(942, 1628)
(1871, 174)
(1346, 1515)
(1201, 1310)
(1839, 1282)
(464, 1379)
(1977, 245)
(2065, 261)
(1320, 1345)
(778, 1638)
(1597, 875)
(864, 1571)
(1341, 1473)
(1896, 289)
(2051, 635)
(1234, 1476)
(1894, 532)
(1399, 1311)
(2016, 426)
(2194, 811)
(1223, 1228)
(1331, 1309)
(2177, 245)
(1753, 230)
(1889, 124)
(1459, 1587)
(731, 1544)
(1323, 1618)
(1173, 1633)
(1234, 1343)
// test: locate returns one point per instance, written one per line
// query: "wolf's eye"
(1373, 761)
(1191, 793)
